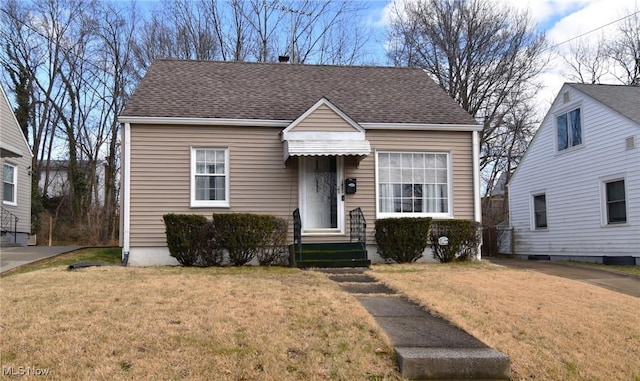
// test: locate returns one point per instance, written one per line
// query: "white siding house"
(576, 192)
(15, 171)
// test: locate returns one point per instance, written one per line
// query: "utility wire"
(593, 30)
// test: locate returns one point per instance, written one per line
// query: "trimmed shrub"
(463, 238)
(274, 251)
(246, 236)
(192, 240)
(402, 240)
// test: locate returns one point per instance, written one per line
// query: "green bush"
(246, 236)
(463, 238)
(402, 240)
(274, 250)
(192, 240)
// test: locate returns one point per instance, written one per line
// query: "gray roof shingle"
(243, 90)
(624, 100)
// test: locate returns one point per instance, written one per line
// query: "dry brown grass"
(112, 323)
(551, 328)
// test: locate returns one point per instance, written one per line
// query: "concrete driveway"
(615, 281)
(12, 257)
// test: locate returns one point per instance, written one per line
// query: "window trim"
(563, 111)
(15, 185)
(604, 207)
(208, 203)
(448, 215)
(532, 210)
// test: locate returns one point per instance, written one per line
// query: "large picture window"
(9, 185)
(209, 177)
(569, 129)
(411, 183)
(616, 205)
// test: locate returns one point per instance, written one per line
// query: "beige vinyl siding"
(12, 138)
(160, 175)
(324, 119)
(457, 144)
(260, 182)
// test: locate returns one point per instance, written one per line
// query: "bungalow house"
(576, 193)
(15, 154)
(203, 137)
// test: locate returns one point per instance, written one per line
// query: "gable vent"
(630, 142)
(565, 97)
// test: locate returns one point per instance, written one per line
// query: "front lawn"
(551, 328)
(116, 323)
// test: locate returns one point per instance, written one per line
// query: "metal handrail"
(297, 233)
(9, 223)
(357, 226)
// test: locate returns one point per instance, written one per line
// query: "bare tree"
(587, 63)
(624, 49)
(485, 55)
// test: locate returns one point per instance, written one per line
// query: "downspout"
(126, 201)
(477, 206)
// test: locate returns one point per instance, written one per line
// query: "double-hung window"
(569, 129)
(209, 177)
(540, 211)
(413, 184)
(615, 202)
(9, 186)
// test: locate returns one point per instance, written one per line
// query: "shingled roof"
(624, 100)
(243, 90)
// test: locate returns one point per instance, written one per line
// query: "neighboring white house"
(15, 155)
(56, 183)
(576, 192)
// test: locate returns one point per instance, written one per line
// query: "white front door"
(321, 195)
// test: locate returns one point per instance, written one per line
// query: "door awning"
(327, 147)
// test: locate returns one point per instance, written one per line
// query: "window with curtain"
(413, 183)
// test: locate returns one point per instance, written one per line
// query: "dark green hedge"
(463, 238)
(246, 236)
(402, 240)
(192, 240)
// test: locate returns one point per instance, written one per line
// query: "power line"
(594, 30)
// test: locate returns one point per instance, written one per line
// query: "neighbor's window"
(540, 211)
(569, 129)
(412, 183)
(9, 185)
(616, 202)
(209, 177)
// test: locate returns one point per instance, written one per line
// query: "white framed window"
(413, 184)
(209, 177)
(10, 185)
(538, 211)
(614, 201)
(568, 129)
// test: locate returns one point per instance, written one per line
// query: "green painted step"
(333, 264)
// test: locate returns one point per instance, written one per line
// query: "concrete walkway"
(427, 347)
(624, 283)
(13, 257)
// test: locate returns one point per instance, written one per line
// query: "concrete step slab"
(354, 278)
(452, 363)
(366, 288)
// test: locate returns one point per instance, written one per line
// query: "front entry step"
(329, 255)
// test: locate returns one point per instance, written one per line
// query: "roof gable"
(283, 92)
(324, 116)
(13, 142)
